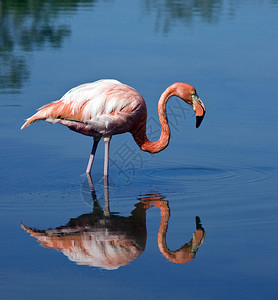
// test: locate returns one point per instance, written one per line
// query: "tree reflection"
(107, 240)
(168, 12)
(26, 26)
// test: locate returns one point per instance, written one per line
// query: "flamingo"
(108, 107)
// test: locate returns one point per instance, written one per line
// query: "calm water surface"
(197, 221)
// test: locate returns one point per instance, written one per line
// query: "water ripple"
(231, 174)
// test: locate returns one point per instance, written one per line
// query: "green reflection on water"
(169, 12)
(33, 25)
(26, 26)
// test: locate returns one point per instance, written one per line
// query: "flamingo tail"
(31, 120)
(43, 113)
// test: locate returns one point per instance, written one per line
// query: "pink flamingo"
(108, 107)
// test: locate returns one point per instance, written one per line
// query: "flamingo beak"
(199, 108)
(199, 119)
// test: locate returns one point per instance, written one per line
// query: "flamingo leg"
(92, 155)
(91, 186)
(106, 196)
(106, 155)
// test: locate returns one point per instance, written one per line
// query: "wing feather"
(88, 102)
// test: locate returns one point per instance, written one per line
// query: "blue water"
(223, 174)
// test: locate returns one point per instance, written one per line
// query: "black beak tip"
(198, 224)
(199, 120)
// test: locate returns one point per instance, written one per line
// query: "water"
(222, 175)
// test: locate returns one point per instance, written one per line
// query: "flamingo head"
(188, 93)
(199, 108)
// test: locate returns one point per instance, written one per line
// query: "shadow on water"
(107, 240)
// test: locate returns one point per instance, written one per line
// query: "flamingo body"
(99, 109)
(108, 107)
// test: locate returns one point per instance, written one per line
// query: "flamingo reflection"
(108, 241)
(188, 251)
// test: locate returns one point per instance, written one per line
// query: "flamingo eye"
(195, 96)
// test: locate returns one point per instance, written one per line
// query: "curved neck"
(180, 256)
(140, 136)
